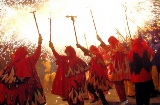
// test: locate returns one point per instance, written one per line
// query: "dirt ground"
(111, 97)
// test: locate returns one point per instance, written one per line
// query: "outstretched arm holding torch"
(40, 37)
(103, 45)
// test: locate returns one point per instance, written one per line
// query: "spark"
(17, 26)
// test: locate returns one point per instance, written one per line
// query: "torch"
(98, 37)
(50, 27)
(94, 23)
(35, 21)
(85, 40)
(73, 20)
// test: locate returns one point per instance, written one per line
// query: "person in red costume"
(69, 80)
(21, 84)
(97, 82)
(118, 67)
(140, 58)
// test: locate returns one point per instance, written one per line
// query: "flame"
(18, 26)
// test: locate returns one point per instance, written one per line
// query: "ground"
(111, 97)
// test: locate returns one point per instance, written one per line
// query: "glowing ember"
(18, 26)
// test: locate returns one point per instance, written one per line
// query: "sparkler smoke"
(17, 25)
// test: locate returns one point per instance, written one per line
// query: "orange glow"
(108, 15)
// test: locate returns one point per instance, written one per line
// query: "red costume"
(21, 84)
(141, 74)
(97, 81)
(70, 77)
(118, 68)
(139, 56)
(98, 70)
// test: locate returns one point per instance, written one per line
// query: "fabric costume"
(139, 56)
(155, 83)
(97, 74)
(47, 75)
(21, 84)
(153, 69)
(156, 70)
(70, 77)
(118, 66)
(155, 45)
(130, 88)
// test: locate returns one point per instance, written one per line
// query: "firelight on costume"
(70, 76)
(21, 84)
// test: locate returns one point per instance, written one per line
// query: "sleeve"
(34, 58)
(103, 45)
(56, 55)
(85, 51)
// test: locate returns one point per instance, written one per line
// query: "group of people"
(21, 85)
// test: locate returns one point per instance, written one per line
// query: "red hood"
(20, 53)
(71, 51)
(112, 40)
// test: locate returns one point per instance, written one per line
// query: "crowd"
(133, 67)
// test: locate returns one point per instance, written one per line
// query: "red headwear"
(112, 40)
(20, 53)
(71, 51)
(138, 47)
(93, 48)
(22, 70)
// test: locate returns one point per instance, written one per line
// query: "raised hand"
(78, 45)
(51, 45)
(40, 39)
(98, 37)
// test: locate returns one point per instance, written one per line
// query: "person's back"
(70, 76)
(20, 79)
(97, 81)
(140, 65)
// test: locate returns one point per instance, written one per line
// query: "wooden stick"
(72, 18)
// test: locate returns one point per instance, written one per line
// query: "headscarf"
(71, 51)
(112, 40)
(93, 49)
(20, 53)
(138, 47)
(22, 70)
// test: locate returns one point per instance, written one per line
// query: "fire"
(18, 26)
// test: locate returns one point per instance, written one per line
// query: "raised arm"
(85, 51)
(103, 45)
(53, 50)
(34, 58)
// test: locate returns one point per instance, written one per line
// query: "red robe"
(119, 69)
(20, 80)
(70, 77)
(98, 71)
(140, 53)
